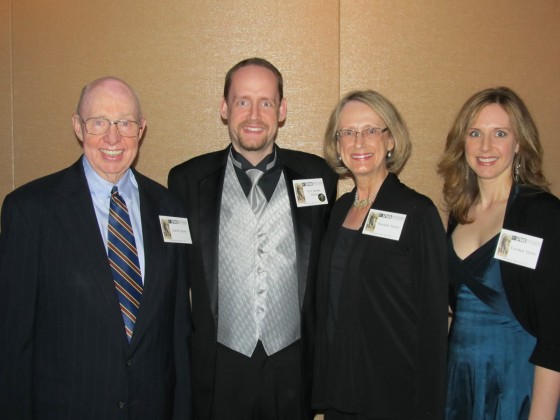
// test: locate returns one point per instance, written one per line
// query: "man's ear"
(142, 127)
(223, 108)
(77, 124)
(283, 111)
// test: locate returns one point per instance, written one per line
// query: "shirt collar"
(100, 188)
(264, 165)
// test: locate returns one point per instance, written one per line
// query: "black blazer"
(198, 184)
(64, 353)
(388, 355)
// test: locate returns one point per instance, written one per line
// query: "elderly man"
(94, 313)
(257, 214)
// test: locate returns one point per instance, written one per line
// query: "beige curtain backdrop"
(427, 56)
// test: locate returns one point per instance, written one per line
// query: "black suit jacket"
(388, 354)
(198, 184)
(64, 353)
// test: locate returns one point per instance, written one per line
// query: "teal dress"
(489, 375)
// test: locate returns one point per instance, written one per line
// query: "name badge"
(518, 248)
(175, 229)
(384, 224)
(310, 192)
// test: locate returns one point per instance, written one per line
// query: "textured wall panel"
(428, 57)
(6, 139)
(176, 54)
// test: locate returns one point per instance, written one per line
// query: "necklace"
(360, 204)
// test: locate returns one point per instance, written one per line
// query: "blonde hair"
(460, 187)
(387, 112)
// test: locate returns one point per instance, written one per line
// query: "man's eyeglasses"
(99, 126)
(367, 134)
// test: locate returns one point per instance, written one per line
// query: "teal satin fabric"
(489, 375)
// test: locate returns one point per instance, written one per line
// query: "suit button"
(129, 362)
(122, 404)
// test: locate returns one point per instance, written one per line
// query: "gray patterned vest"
(257, 277)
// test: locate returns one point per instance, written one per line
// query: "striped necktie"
(123, 259)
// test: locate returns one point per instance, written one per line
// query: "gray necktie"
(256, 197)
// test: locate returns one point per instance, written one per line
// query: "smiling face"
(253, 110)
(109, 154)
(490, 145)
(363, 157)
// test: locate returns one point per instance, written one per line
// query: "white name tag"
(310, 192)
(175, 229)
(518, 248)
(384, 224)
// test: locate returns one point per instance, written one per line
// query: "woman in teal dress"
(504, 341)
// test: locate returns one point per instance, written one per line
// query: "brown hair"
(255, 61)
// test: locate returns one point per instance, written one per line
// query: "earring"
(389, 154)
(516, 171)
(339, 161)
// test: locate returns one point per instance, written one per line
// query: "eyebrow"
(262, 98)
(493, 128)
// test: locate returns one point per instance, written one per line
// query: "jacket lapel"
(302, 220)
(79, 222)
(210, 199)
(153, 257)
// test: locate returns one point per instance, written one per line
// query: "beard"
(253, 142)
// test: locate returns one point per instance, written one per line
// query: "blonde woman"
(504, 346)
(382, 282)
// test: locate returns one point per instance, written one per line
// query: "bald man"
(94, 313)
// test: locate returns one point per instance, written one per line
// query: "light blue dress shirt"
(100, 190)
